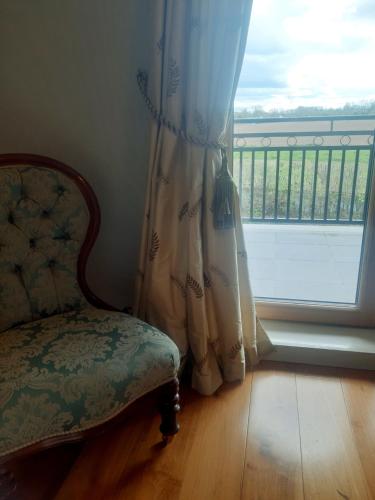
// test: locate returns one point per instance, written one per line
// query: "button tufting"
(62, 235)
(18, 268)
(11, 218)
(51, 263)
(23, 194)
(60, 190)
(45, 213)
(32, 243)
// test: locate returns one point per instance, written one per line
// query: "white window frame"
(361, 314)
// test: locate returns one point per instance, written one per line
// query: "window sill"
(327, 345)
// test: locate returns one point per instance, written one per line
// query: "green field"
(308, 183)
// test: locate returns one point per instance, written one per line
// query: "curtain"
(193, 280)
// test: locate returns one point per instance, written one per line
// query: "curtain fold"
(193, 280)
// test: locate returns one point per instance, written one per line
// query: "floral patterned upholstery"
(65, 366)
(43, 222)
(75, 370)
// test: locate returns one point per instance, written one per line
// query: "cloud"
(366, 9)
(303, 52)
(264, 71)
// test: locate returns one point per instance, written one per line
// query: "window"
(303, 156)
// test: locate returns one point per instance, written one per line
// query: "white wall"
(67, 90)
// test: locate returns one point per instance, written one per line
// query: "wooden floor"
(288, 432)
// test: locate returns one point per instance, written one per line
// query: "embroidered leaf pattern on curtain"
(193, 280)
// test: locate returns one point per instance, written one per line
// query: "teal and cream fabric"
(75, 370)
(193, 280)
(43, 222)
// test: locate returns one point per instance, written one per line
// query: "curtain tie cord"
(223, 200)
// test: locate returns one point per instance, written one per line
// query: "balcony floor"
(304, 262)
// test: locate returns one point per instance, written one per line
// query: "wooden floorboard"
(332, 467)
(289, 432)
(273, 455)
(39, 477)
(216, 461)
(204, 461)
(359, 394)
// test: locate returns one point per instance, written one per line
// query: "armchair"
(69, 364)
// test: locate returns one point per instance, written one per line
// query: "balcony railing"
(304, 170)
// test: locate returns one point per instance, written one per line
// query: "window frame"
(361, 314)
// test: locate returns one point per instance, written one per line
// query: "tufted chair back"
(44, 221)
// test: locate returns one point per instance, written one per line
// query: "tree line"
(367, 108)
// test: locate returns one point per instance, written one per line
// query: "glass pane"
(304, 204)
(304, 261)
(304, 147)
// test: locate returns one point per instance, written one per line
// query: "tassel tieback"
(223, 203)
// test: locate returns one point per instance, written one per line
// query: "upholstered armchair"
(68, 362)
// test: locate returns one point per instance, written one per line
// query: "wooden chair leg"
(7, 483)
(169, 407)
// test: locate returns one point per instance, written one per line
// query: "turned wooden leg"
(7, 483)
(169, 407)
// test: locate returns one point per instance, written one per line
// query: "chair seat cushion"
(75, 370)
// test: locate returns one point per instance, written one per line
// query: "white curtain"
(193, 279)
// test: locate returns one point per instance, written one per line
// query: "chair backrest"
(49, 220)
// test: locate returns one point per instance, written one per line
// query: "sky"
(308, 53)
